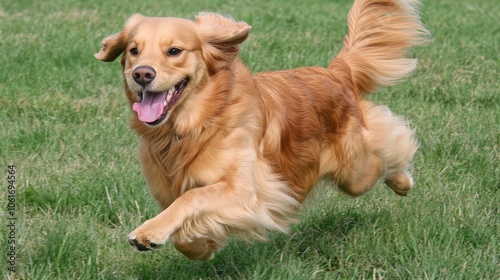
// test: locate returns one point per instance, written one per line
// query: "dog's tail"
(379, 34)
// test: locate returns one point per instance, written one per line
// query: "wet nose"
(143, 75)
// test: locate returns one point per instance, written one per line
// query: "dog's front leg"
(209, 202)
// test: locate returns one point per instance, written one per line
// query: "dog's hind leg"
(363, 178)
(361, 171)
(383, 149)
(350, 160)
(391, 138)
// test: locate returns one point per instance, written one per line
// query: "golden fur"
(236, 153)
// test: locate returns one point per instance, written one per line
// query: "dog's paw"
(401, 183)
(146, 237)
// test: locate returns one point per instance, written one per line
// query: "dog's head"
(166, 60)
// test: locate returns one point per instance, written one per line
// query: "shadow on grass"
(320, 239)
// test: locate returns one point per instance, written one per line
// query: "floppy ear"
(114, 45)
(221, 37)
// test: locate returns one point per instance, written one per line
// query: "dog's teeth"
(164, 103)
(170, 94)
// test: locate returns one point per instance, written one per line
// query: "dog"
(227, 152)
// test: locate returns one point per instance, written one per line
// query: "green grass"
(64, 124)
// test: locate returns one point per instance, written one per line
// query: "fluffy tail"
(380, 33)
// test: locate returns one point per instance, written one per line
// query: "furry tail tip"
(380, 33)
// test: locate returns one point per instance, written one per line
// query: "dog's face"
(162, 57)
(166, 60)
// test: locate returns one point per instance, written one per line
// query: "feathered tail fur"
(379, 34)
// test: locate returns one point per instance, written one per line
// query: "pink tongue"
(151, 107)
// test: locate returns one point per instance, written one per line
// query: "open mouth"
(153, 107)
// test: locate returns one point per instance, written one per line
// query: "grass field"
(79, 189)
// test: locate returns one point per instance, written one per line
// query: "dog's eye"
(174, 52)
(134, 51)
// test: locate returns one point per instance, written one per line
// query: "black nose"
(143, 75)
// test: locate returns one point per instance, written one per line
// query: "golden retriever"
(227, 152)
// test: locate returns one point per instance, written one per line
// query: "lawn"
(79, 190)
